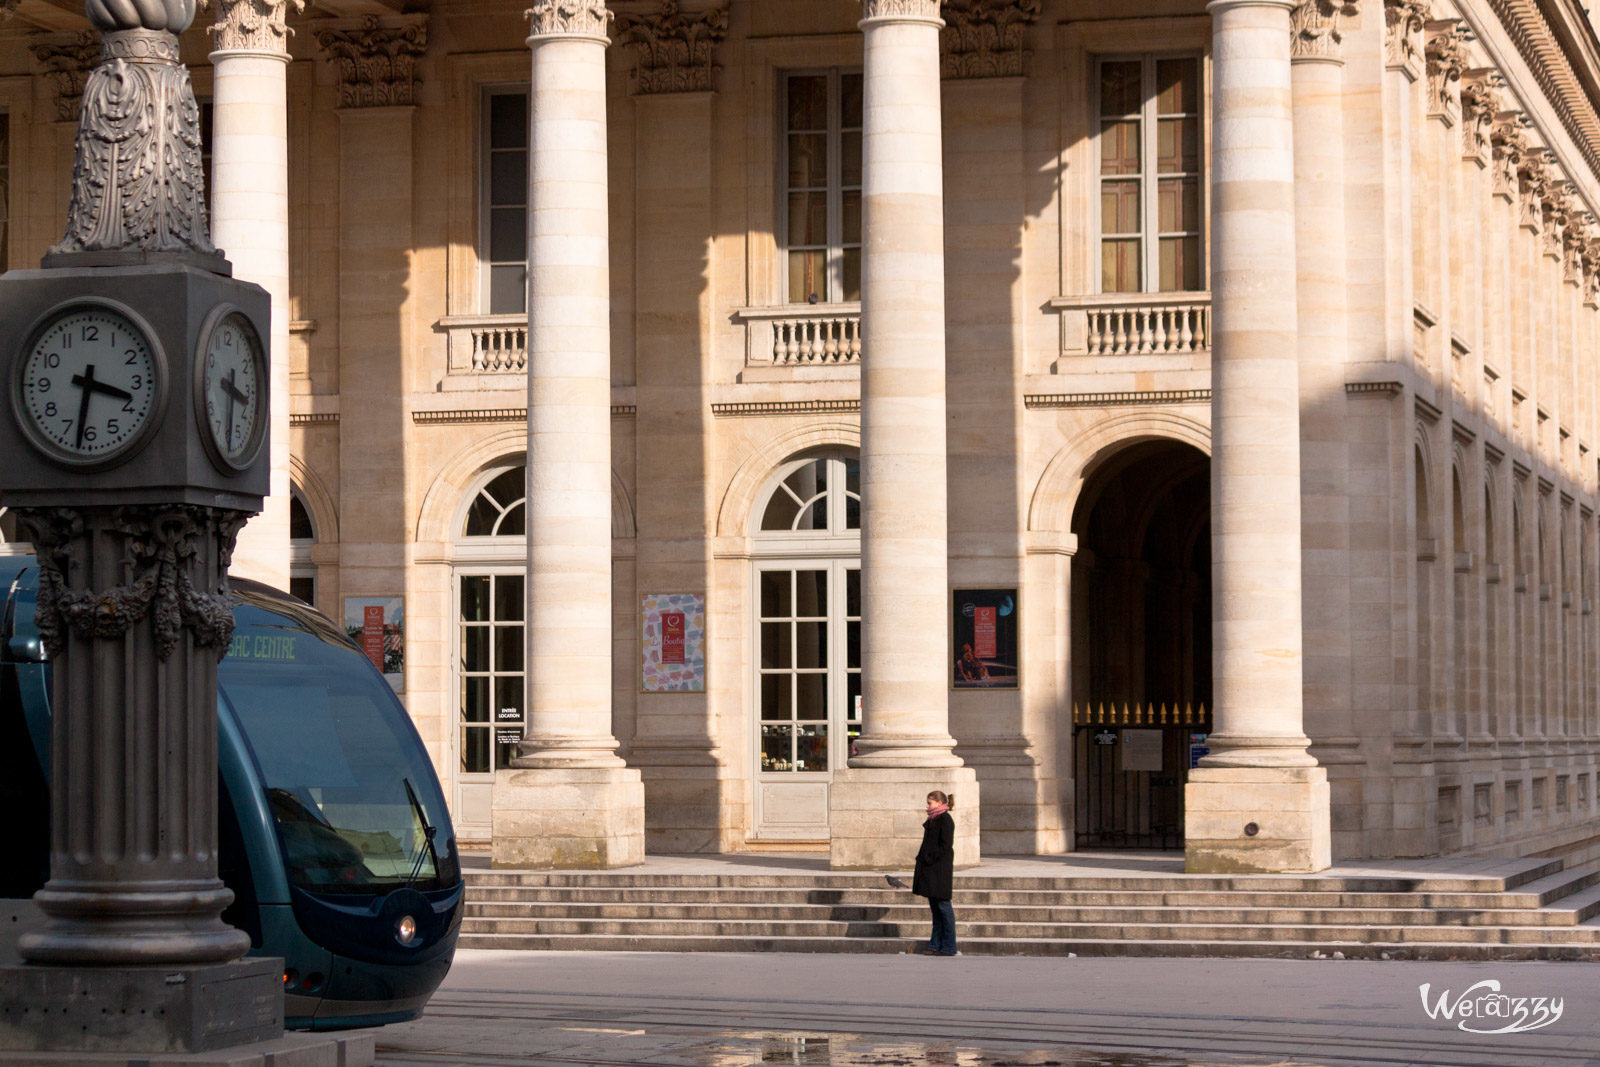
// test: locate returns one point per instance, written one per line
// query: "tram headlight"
(405, 931)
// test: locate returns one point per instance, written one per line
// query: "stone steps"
(1535, 910)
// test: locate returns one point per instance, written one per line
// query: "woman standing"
(935, 871)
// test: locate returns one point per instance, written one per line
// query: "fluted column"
(905, 747)
(1258, 802)
(569, 799)
(250, 224)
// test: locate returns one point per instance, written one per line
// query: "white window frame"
(833, 289)
(486, 265)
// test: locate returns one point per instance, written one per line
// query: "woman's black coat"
(936, 859)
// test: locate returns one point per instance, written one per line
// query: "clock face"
(89, 386)
(233, 389)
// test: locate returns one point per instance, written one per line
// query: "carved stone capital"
(1531, 186)
(1403, 21)
(161, 547)
(675, 51)
(1480, 102)
(1591, 268)
(1314, 29)
(569, 18)
(67, 61)
(377, 62)
(983, 38)
(1446, 59)
(1509, 142)
(901, 11)
(254, 25)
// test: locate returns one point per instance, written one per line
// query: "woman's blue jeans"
(943, 939)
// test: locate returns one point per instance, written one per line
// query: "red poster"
(372, 634)
(672, 636)
(983, 622)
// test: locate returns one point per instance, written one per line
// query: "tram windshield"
(357, 806)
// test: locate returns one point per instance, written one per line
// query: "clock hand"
(85, 383)
(233, 395)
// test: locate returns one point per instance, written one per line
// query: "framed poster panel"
(672, 645)
(377, 624)
(986, 652)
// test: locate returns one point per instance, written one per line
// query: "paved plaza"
(732, 1009)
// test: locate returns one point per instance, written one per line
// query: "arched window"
(815, 496)
(499, 508)
(302, 535)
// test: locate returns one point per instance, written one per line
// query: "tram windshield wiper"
(428, 831)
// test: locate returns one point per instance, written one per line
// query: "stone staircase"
(1536, 909)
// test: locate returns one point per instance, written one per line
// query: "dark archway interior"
(1141, 642)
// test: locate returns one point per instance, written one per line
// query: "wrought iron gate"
(1131, 765)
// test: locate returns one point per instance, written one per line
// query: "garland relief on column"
(254, 25)
(568, 18)
(1314, 28)
(377, 63)
(675, 51)
(983, 38)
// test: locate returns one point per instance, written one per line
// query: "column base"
(1257, 820)
(585, 818)
(875, 815)
(175, 1009)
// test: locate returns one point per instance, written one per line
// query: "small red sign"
(672, 636)
(983, 623)
(372, 634)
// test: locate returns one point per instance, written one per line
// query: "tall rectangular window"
(820, 167)
(5, 187)
(1150, 174)
(503, 239)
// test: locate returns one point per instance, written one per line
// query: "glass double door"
(492, 684)
(808, 689)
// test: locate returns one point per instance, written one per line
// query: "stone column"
(1259, 802)
(569, 799)
(250, 224)
(905, 748)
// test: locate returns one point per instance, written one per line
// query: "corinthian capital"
(1314, 28)
(254, 25)
(983, 38)
(1403, 21)
(68, 59)
(674, 50)
(1480, 101)
(377, 63)
(901, 10)
(568, 18)
(1446, 53)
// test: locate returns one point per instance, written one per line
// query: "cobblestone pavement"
(730, 1010)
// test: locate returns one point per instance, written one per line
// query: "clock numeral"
(42, 385)
(138, 381)
(111, 427)
(132, 360)
(211, 359)
(50, 409)
(91, 333)
(66, 424)
(66, 340)
(127, 405)
(52, 360)
(88, 433)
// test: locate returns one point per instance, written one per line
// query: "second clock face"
(233, 389)
(88, 387)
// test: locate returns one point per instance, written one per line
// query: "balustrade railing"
(1141, 324)
(814, 335)
(1130, 714)
(486, 344)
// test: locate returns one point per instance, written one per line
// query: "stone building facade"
(1222, 374)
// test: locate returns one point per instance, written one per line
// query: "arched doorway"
(1141, 641)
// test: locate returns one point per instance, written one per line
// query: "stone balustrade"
(1134, 324)
(486, 344)
(803, 335)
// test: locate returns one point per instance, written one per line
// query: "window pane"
(508, 178)
(852, 218)
(853, 643)
(475, 699)
(1177, 145)
(809, 480)
(303, 587)
(808, 160)
(806, 272)
(781, 510)
(776, 748)
(475, 648)
(1178, 204)
(1120, 87)
(852, 593)
(1177, 86)
(775, 696)
(1119, 266)
(1119, 207)
(810, 644)
(850, 99)
(1180, 263)
(811, 592)
(775, 651)
(508, 485)
(1119, 148)
(850, 161)
(508, 234)
(815, 517)
(508, 601)
(812, 699)
(508, 648)
(808, 218)
(504, 754)
(514, 523)
(775, 594)
(475, 750)
(508, 120)
(508, 289)
(808, 102)
(811, 748)
(852, 711)
(852, 274)
(475, 598)
(507, 697)
(300, 528)
(481, 517)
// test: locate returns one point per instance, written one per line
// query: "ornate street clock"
(91, 384)
(231, 388)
